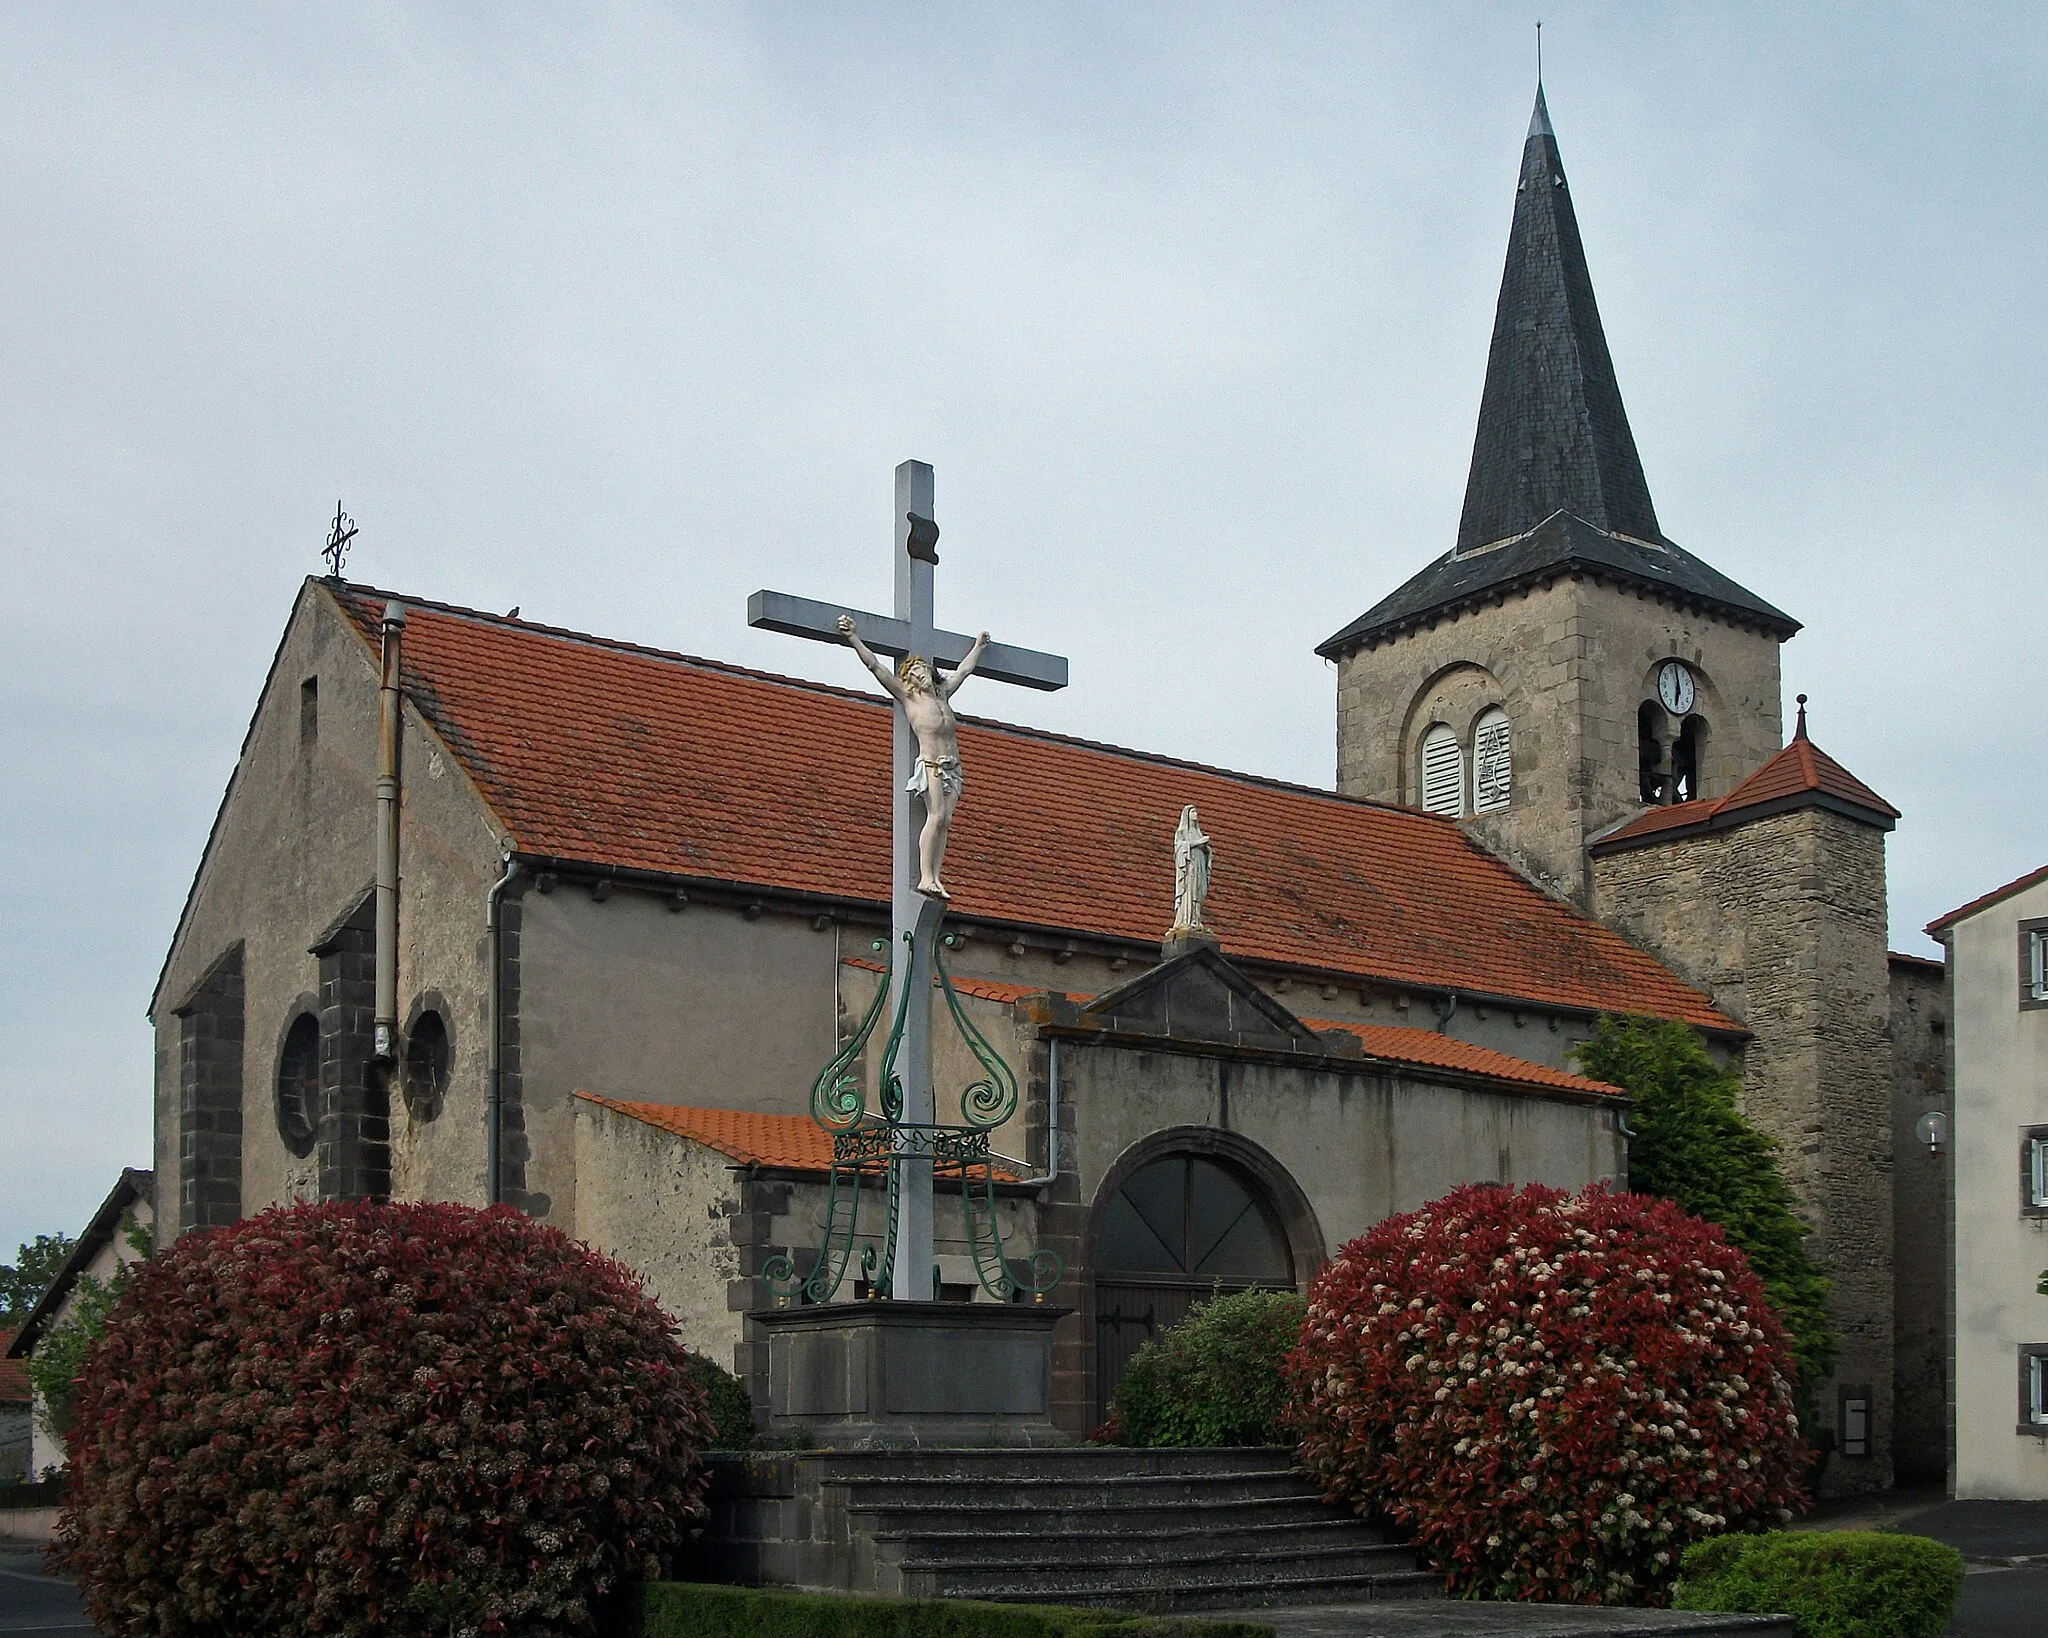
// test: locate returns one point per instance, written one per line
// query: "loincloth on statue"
(947, 770)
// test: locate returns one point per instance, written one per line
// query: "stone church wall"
(666, 1208)
(1570, 663)
(1921, 1273)
(629, 998)
(1782, 921)
(292, 852)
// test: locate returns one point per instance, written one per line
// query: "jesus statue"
(927, 704)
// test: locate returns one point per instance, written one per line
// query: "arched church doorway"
(1184, 1220)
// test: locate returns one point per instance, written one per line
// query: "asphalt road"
(33, 1602)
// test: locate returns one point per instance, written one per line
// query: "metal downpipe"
(494, 1074)
(390, 731)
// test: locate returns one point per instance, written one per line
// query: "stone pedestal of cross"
(913, 916)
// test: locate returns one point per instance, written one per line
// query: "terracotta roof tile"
(1802, 768)
(2017, 885)
(1426, 1049)
(793, 1142)
(983, 989)
(626, 757)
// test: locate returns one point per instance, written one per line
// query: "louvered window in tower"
(1492, 766)
(1443, 773)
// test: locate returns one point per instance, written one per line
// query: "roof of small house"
(2018, 884)
(1401, 1044)
(1800, 775)
(14, 1384)
(617, 756)
(794, 1143)
(1426, 1049)
(131, 1188)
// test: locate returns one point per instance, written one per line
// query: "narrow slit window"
(1492, 763)
(1689, 760)
(1650, 750)
(309, 710)
(1443, 773)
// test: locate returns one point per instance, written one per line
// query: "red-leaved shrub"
(1554, 1393)
(357, 1419)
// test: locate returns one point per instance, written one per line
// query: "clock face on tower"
(1674, 687)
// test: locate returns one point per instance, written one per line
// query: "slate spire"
(1553, 435)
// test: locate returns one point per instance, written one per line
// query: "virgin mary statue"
(1190, 871)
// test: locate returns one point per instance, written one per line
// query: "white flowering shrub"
(1554, 1394)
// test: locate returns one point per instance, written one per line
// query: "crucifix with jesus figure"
(927, 781)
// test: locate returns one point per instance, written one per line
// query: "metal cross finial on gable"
(914, 917)
(338, 537)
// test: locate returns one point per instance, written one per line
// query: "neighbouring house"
(1998, 999)
(640, 894)
(15, 1417)
(106, 1243)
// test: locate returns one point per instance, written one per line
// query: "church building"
(639, 905)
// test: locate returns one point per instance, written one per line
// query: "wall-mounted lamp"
(1933, 1131)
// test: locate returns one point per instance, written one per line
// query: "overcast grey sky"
(618, 311)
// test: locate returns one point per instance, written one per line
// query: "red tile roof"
(794, 1142)
(14, 1387)
(1801, 769)
(612, 755)
(2018, 885)
(1425, 1048)
(1396, 1043)
(13, 1372)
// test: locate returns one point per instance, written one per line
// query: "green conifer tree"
(1690, 1144)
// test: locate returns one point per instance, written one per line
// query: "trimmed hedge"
(378, 1421)
(682, 1609)
(1213, 1379)
(726, 1402)
(1834, 1583)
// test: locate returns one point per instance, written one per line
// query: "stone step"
(1036, 1546)
(1198, 1520)
(1086, 1461)
(1130, 1489)
(1248, 1585)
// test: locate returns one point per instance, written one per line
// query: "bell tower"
(1565, 665)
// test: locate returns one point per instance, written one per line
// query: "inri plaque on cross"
(914, 915)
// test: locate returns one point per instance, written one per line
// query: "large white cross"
(910, 631)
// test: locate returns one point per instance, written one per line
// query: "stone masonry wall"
(209, 1067)
(1572, 660)
(1920, 1215)
(1782, 921)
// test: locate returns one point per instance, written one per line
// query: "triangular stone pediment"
(1200, 996)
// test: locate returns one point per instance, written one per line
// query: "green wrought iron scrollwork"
(835, 1250)
(836, 1098)
(864, 1143)
(890, 1084)
(985, 1237)
(986, 1103)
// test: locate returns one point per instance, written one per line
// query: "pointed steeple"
(1553, 436)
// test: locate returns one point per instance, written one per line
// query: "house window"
(2034, 962)
(2034, 1389)
(1443, 773)
(309, 710)
(2034, 1171)
(298, 1084)
(1492, 763)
